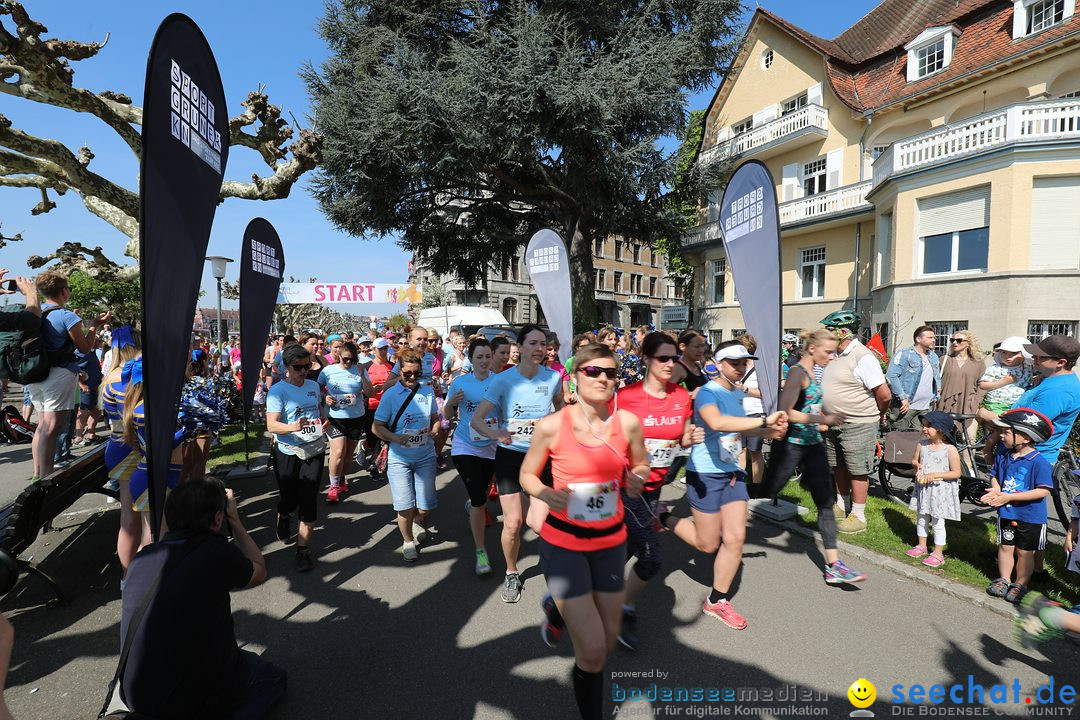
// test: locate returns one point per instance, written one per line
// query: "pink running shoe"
(916, 552)
(332, 494)
(933, 561)
(726, 614)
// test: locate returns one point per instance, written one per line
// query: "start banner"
(357, 293)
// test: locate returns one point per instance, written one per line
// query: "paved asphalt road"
(367, 636)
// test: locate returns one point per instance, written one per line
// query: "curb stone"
(956, 590)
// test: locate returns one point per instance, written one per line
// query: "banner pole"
(247, 457)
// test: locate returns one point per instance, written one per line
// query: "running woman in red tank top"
(665, 412)
(595, 453)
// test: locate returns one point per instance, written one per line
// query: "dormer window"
(930, 52)
(1032, 16)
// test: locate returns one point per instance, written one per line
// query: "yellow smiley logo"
(862, 693)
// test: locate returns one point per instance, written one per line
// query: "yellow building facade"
(927, 166)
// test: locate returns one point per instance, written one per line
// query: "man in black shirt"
(184, 661)
(27, 319)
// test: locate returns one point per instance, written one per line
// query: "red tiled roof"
(985, 41)
(894, 23)
(866, 64)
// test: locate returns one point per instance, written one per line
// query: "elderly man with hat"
(853, 386)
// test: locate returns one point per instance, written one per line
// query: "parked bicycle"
(896, 474)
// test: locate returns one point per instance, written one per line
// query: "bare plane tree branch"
(39, 70)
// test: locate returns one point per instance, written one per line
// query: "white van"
(459, 316)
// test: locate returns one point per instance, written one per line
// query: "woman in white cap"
(716, 482)
(1003, 382)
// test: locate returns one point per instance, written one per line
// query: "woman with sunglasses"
(801, 399)
(407, 419)
(346, 386)
(665, 412)
(519, 397)
(596, 454)
(716, 482)
(294, 413)
(472, 453)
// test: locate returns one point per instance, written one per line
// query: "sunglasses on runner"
(299, 367)
(957, 340)
(410, 374)
(347, 359)
(664, 359)
(594, 372)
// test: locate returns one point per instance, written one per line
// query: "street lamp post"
(217, 268)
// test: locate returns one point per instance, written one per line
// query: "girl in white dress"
(937, 489)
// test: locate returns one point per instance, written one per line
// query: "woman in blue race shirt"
(519, 396)
(474, 454)
(407, 419)
(716, 482)
(294, 415)
(347, 387)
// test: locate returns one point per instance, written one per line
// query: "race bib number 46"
(663, 452)
(521, 431)
(592, 502)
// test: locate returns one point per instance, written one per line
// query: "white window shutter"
(813, 95)
(765, 115)
(1055, 223)
(834, 161)
(1019, 19)
(961, 210)
(790, 183)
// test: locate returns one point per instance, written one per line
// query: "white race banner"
(354, 293)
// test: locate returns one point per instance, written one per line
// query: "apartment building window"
(931, 58)
(678, 288)
(738, 332)
(1043, 14)
(742, 126)
(812, 272)
(716, 337)
(883, 331)
(598, 248)
(794, 104)
(1070, 95)
(635, 284)
(618, 282)
(601, 280)
(943, 330)
(877, 150)
(652, 258)
(1039, 329)
(814, 177)
(618, 250)
(637, 254)
(652, 287)
(954, 231)
(957, 251)
(719, 280)
(766, 59)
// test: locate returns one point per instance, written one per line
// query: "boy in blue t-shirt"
(1020, 480)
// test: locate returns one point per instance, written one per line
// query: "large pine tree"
(465, 126)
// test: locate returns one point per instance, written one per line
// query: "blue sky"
(263, 43)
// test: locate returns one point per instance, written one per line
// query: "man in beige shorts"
(853, 386)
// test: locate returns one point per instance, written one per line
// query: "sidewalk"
(366, 635)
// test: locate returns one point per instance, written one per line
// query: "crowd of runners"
(579, 453)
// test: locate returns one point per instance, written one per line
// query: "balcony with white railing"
(803, 126)
(1028, 123)
(824, 206)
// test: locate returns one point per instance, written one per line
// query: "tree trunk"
(582, 277)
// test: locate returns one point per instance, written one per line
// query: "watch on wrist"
(764, 421)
